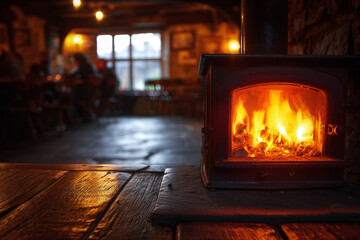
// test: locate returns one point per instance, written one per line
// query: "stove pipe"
(264, 26)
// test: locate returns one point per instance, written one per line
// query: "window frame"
(131, 60)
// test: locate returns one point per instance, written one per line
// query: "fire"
(275, 122)
(300, 133)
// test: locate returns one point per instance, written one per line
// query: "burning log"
(265, 134)
(241, 128)
(240, 153)
(259, 150)
(306, 151)
(243, 146)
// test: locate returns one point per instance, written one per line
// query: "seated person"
(82, 71)
(110, 82)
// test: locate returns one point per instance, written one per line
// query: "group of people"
(90, 81)
(31, 100)
(84, 71)
(95, 82)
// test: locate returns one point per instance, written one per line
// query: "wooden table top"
(44, 201)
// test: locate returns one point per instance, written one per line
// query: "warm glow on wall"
(234, 46)
(76, 3)
(75, 42)
(99, 15)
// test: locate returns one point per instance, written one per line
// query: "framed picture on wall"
(211, 45)
(22, 37)
(187, 57)
(182, 40)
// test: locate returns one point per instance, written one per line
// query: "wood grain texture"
(76, 167)
(321, 231)
(221, 230)
(162, 168)
(67, 209)
(156, 169)
(183, 197)
(16, 186)
(129, 216)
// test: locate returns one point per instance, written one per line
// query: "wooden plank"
(222, 230)
(161, 168)
(183, 197)
(18, 186)
(318, 231)
(128, 217)
(156, 169)
(76, 167)
(67, 209)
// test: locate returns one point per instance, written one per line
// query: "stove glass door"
(277, 121)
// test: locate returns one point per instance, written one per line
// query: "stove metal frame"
(225, 73)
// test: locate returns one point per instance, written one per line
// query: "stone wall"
(353, 131)
(332, 27)
(324, 27)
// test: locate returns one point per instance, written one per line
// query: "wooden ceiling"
(131, 13)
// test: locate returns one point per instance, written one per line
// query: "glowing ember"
(268, 123)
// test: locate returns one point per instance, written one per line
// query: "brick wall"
(324, 27)
(331, 27)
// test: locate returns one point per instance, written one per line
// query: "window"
(135, 58)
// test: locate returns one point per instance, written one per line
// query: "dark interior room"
(180, 120)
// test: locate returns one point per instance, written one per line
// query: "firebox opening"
(277, 122)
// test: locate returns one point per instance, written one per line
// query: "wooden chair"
(23, 110)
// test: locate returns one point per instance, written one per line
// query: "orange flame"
(274, 123)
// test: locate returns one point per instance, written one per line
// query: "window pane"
(122, 71)
(109, 64)
(122, 45)
(104, 46)
(145, 70)
(146, 45)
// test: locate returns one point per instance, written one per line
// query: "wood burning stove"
(274, 121)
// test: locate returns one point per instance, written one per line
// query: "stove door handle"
(334, 129)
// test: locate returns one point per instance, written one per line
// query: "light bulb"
(99, 15)
(76, 3)
(77, 39)
(234, 46)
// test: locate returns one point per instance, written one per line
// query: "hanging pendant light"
(99, 15)
(76, 3)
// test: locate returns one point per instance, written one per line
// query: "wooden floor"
(116, 202)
